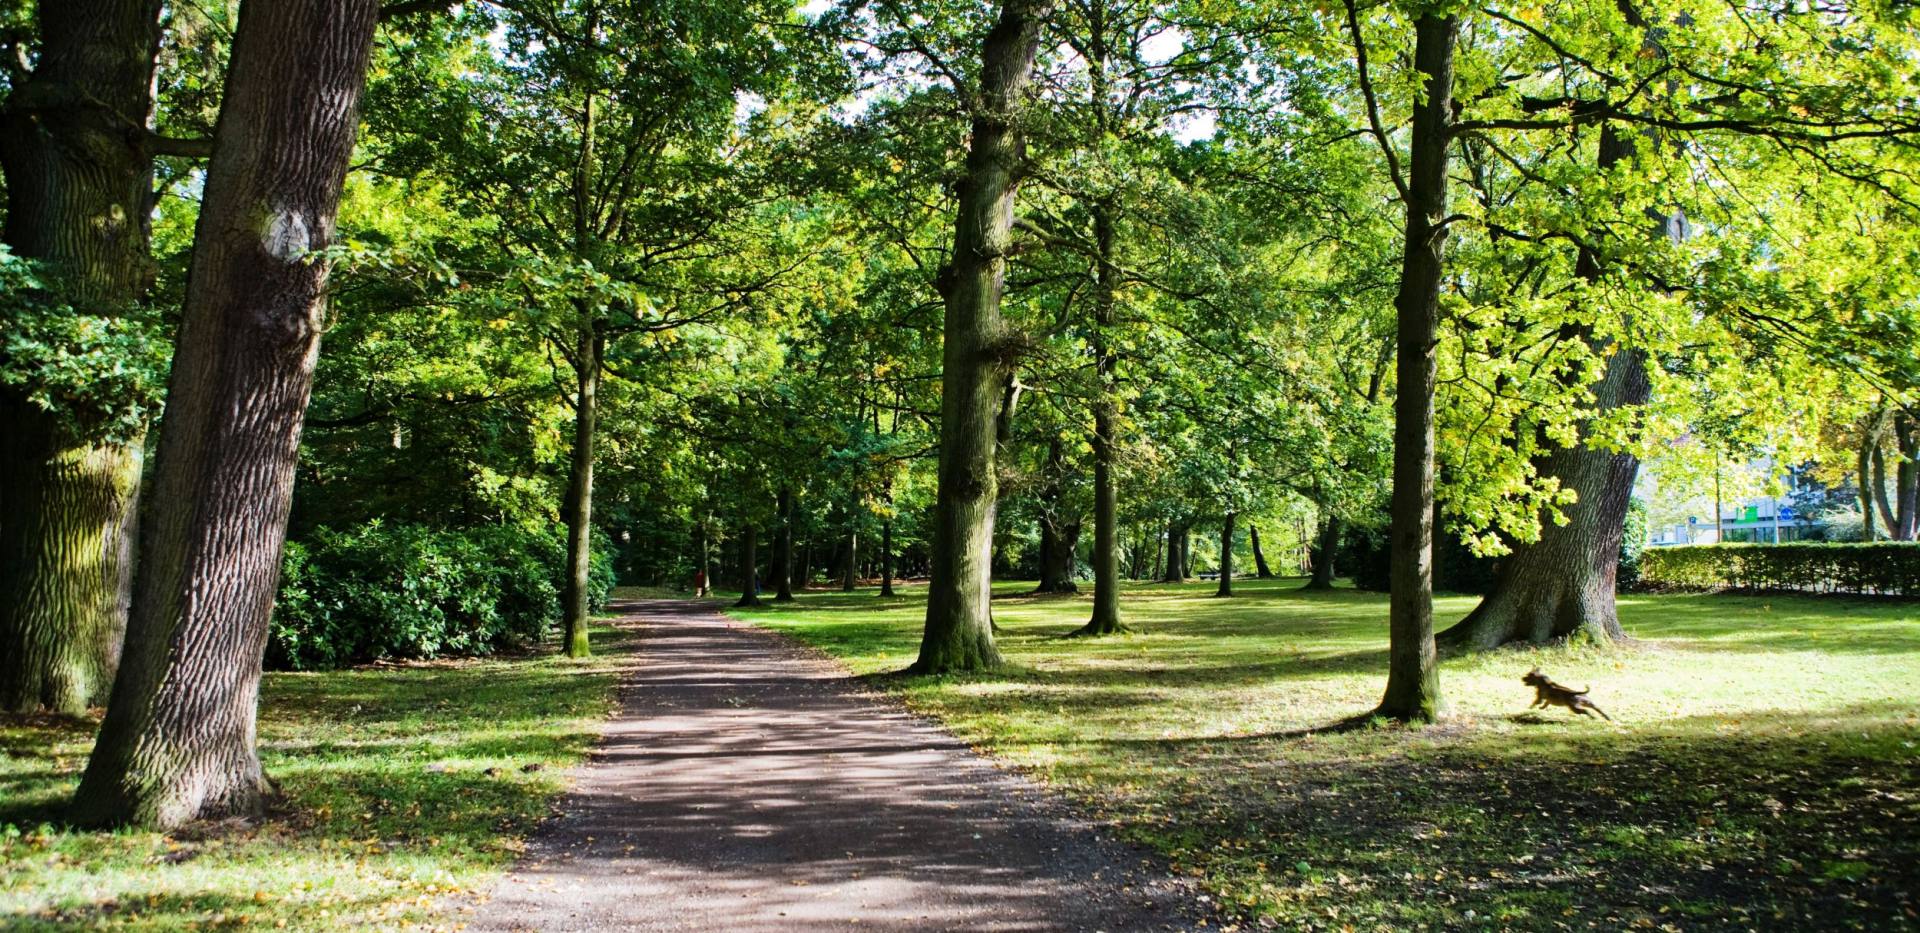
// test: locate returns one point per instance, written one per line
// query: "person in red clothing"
(700, 582)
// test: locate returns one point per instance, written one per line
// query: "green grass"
(1760, 774)
(405, 788)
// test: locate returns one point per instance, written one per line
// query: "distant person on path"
(700, 582)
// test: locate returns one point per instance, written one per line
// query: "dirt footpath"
(749, 785)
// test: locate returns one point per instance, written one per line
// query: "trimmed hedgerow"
(382, 590)
(1884, 568)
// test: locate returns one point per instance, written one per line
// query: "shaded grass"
(1760, 775)
(402, 784)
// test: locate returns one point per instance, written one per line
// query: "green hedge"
(415, 591)
(1883, 568)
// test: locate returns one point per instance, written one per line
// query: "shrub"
(414, 591)
(1885, 568)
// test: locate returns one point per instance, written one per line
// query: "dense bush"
(1884, 568)
(415, 591)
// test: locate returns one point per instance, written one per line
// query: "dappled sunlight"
(1768, 739)
(403, 783)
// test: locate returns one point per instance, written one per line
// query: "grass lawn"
(1761, 772)
(403, 784)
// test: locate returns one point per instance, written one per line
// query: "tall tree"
(975, 361)
(178, 743)
(1413, 676)
(76, 152)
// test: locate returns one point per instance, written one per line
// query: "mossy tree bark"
(975, 359)
(178, 743)
(74, 152)
(1413, 677)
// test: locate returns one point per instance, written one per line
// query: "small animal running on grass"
(1547, 693)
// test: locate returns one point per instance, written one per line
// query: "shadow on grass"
(1812, 826)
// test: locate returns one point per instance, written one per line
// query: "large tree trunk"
(1059, 538)
(1562, 585)
(1413, 678)
(749, 567)
(73, 149)
(1226, 557)
(1324, 562)
(783, 549)
(1058, 544)
(574, 599)
(959, 627)
(178, 741)
(1260, 566)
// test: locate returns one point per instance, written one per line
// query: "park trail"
(749, 784)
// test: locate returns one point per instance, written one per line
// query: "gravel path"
(748, 784)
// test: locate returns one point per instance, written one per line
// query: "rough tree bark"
(1324, 561)
(1260, 566)
(975, 364)
(73, 148)
(1226, 557)
(1562, 585)
(1106, 499)
(1413, 679)
(783, 549)
(1058, 543)
(749, 567)
(178, 741)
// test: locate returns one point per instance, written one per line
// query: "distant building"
(1796, 515)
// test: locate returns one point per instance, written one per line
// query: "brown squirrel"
(1547, 693)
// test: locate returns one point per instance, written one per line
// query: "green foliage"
(103, 372)
(382, 591)
(1633, 543)
(1886, 568)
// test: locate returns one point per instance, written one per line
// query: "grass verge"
(406, 787)
(1760, 772)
